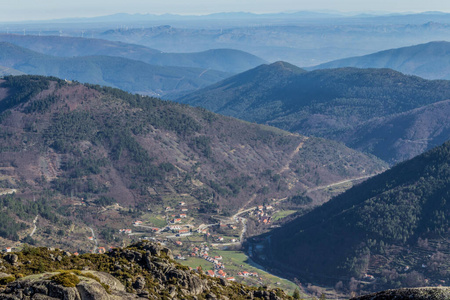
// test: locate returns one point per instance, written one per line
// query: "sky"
(20, 10)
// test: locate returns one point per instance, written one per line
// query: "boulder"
(139, 284)
(41, 288)
(11, 258)
(425, 293)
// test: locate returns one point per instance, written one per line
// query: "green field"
(237, 261)
(233, 261)
(194, 262)
(157, 221)
(282, 214)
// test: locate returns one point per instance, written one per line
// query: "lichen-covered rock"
(41, 287)
(3, 275)
(157, 249)
(144, 270)
(107, 279)
(139, 284)
(91, 290)
(431, 293)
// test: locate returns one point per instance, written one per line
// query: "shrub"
(66, 279)
(6, 280)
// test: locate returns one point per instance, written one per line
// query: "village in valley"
(207, 243)
(212, 248)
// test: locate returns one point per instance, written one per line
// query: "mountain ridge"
(330, 103)
(131, 75)
(425, 60)
(224, 60)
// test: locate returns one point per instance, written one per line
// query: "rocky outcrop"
(434, 293)
(42, 287)
(144, 270)
(11, 258)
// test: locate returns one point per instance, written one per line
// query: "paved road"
(35, 227)
(95, 240)
(339, 183)
(240, 212)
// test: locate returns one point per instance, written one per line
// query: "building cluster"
(247, 274)
(263, 213)
(202, 252)
(179, 229)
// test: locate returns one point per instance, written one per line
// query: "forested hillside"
(398, 137)
(333, 103)
(393, 227)
(70, 152)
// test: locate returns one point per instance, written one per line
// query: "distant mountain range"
(100, 146)
(430, 61)
(303, 42)
(130, 75)
(225, 60)
(348, 105)
(393, 227)
(270, 18)
(302, 38)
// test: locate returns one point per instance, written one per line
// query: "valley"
(232, 155)
(190, 184)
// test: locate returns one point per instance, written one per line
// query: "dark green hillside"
(245, 92)
(327, 103)
(430, 61)
(225, 60)
(399, 218)
(398, 137)
(131, 75)
(80, 149)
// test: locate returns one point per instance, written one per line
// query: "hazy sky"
(17, 10)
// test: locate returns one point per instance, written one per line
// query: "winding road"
(244, 220)
(95, 240)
